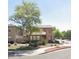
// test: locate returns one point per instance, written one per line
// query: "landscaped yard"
(20, 47)
(14, 47)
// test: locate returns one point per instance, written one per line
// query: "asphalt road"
(60, 54)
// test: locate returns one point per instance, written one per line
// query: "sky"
(53, 12)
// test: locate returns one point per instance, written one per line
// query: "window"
(34, 37)
(38, 37)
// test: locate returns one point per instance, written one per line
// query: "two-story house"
(15, 34)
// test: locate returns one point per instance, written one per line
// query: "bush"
(43, 42)
(11, 42)
(34, 43)
(15, 44)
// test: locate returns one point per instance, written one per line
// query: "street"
(60, 54)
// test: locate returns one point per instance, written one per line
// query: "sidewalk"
(57, 48)
(42, 50)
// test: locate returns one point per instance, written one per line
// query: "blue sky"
(53, 12)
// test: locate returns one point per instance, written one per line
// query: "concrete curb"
(55, 49)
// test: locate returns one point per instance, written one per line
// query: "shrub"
(43, 42)
(34, 43)
(15, 44)
(11, 42)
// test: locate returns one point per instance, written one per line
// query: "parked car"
(59, 40)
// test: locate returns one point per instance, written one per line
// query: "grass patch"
(11, 49)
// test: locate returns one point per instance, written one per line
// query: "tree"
(57, 33)
(63, 34)
(27, 16)
(66, 34)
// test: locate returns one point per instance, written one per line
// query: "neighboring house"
(15, 34)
